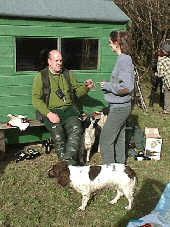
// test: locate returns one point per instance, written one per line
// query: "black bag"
(46, 91)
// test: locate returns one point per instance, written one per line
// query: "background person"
(156, 81)
(58, 114)
(117, 93)
(163, 68)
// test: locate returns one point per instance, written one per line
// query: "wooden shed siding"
(6, 41)
(6, 51)
(16, 79)
(16, 90)
(15, 87)
(21, 28)
(54, 23)
(29, 136)
(24, 110)
(15, 100)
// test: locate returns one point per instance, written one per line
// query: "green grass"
(29, 198)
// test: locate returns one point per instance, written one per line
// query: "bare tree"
(149, 27)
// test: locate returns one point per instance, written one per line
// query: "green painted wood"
(97, 77)
(107, 63)
(52, 23)
(15, 100)
(17, 110)
(6, 41)
(15, 87)
(48, 31)
(4, 118)
(15, 90)
(6, 60)
(6, 51)
(28, 111)
(13, 79)
(92, 102)
(62, 31)
(105, 50)
(15, 136)
(6, 69)
(21, 109)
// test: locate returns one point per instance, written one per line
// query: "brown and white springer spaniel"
(89, 179)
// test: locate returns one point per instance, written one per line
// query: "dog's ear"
(64, 177)
(130, 172)
(53, 171)
(62, 173)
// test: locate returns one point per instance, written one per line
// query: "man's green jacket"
(56, 82)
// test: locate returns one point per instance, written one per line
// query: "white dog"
(89, 179)
(101, 122)
(89, 137)
(93, 125)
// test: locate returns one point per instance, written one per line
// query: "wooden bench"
(4, 127)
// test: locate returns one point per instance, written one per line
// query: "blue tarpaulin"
(160, 216)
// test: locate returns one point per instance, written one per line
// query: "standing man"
(163, 68)
(59, 115)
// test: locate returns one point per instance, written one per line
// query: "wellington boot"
(58, 138)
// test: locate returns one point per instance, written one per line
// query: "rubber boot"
(58, 137)
(74, 138)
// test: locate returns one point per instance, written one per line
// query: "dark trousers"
(156, 82)
(66, 135)
(112, 138)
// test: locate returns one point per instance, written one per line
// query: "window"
(31, 53)
(78, 53)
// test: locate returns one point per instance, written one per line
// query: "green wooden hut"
(79, 28)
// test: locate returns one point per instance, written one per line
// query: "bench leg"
(2, 144)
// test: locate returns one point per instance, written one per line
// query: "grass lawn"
(29, 198)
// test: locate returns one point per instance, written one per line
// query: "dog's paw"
(81, 208)
(112, 202)
(128, 207)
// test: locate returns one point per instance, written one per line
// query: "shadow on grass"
(132, 120)
(145, 201)
(10, 155)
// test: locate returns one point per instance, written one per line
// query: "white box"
(153, 143)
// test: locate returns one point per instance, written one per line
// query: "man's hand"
(53, 117)
(89, 83)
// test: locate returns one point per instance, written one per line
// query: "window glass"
(31, 52)
(80, 53)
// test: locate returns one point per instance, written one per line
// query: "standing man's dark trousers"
(66, 135)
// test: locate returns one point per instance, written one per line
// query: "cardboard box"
(153, 143)
(152, 133)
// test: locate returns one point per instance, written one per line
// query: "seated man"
(54, 101)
